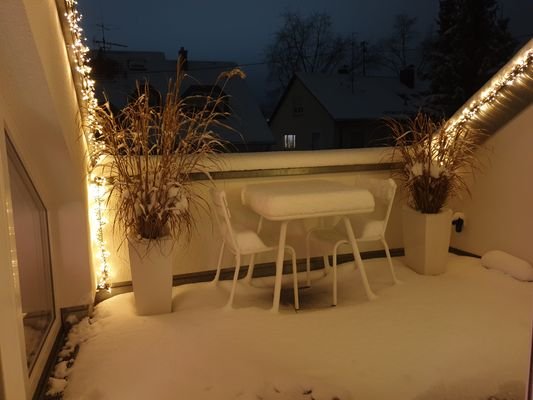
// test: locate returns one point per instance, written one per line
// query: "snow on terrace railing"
(77, 52)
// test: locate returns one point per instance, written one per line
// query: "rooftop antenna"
(104, 44)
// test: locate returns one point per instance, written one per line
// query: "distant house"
(117, 72)
(330, 111)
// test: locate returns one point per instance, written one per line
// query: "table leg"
(279, 266)
(357, 257)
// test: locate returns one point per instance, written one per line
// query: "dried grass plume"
(436, 160)
(151, 148)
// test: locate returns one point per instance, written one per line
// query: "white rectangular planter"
(151, 274)
(426, 239)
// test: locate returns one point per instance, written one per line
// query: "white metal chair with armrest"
(368, 227)
(241, 242)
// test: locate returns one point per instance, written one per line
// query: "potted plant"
(436, 159)
(147, 152)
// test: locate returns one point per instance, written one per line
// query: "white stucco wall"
(38, 109)
(499, 215)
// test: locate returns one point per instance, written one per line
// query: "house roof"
(372, 97)
(124, 68)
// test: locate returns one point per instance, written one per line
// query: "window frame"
(13, 160)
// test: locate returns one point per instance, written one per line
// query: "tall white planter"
(426, 239)
(151, 274)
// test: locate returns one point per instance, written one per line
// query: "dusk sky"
(239, 30)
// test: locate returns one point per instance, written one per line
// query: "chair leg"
(279, 266)
(326, 264)
(389, 259)
(250, 273)
(235, 279)
(335, 275)
(308, 271)
(357, 257)
(307, 261)
(220, 254)
(295, 280)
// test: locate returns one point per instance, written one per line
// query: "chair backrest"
(383, 191)
(223, 217)
(388, 191)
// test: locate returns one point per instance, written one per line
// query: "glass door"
(33, 256)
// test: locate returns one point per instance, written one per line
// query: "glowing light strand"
(98, 196)
(490, 95)
(78, 52)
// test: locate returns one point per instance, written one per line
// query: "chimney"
(407, 76)
(182, 59)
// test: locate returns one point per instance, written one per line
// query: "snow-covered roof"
(371, 98)
(128, 67)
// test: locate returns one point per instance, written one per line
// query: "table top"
(288, 200)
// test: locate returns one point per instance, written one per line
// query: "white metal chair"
(367, 227)
(242, 241)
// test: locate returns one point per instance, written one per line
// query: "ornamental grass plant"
(150, 149)
(436, 160)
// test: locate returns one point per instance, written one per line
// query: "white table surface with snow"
(461, 335)
(300, 199)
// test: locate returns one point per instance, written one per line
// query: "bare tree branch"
(305, 44)
(395, 48)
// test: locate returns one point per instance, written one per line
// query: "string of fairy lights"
(79, 51)
(96, 185)
(86, 87)
(98, 193)
(490, 95)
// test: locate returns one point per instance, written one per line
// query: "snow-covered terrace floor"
(461, 335)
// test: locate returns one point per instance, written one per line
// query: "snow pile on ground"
(78, 333)
(462, 335)
(508, 264)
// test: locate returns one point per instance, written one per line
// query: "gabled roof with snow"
(371, 97)
(128, 67)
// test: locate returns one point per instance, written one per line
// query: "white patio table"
(292, 200)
